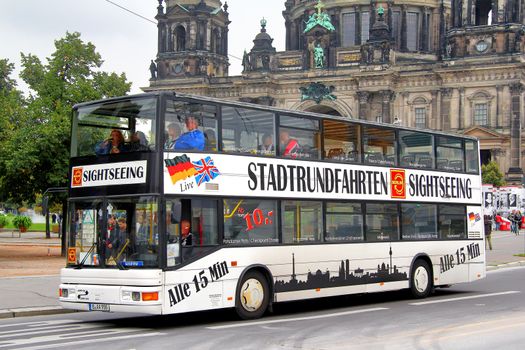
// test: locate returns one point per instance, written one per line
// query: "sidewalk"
(30, 267)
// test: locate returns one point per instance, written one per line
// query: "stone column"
(386, 98)
(288, 25)
(442, 30)
(364, 97)
(461, 106)
(404, 47)
(515, 173)
(498, 120)
(446, 97)
(336, 21)
(161, 26)
(403, 113)
(469, 12)
(372, 14)
(494, 7)
(459, 13)
(225, 31)
(357, 25)
(390, 3)
(453, 5)
(423, 42)
(434, 115)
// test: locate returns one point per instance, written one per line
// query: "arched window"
(420, 108)
(483, 8)
(216, 41)
(180, 38)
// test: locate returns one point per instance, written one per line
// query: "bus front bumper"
(136, 299)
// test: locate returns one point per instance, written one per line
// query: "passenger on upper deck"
(174, 132)
(113, 145)
(138, 142)
(267, 145)
(289, 147)
(193, 139)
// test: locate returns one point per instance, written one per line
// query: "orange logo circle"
(77, 177)
(398, 183)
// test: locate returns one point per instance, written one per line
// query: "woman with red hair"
(113, 145)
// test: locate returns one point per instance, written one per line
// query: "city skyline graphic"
(385, 273)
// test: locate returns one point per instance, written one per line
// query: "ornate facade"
(449, 65)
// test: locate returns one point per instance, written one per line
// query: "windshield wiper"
(119, 263)
(81, 264)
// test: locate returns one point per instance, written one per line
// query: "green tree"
(12, 113)
(38, 149)
(491, 174)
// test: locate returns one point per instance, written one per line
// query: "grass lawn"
(34, 227)
(520, 255)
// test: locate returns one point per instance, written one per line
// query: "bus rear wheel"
(420, 279)
(253, 296)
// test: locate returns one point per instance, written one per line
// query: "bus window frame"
(319, 130)
(75, 123)
(162, 226)
(278, 113)
(162, 117)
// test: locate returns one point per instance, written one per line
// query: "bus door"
(191, 228)
(83, 239)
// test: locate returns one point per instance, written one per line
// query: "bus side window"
(379, 146)
(341, 141)
(192, 228)
(243, 130)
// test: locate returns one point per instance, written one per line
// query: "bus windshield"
(119, 232)
(114, 127)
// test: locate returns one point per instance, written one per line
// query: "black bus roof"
(206, 99)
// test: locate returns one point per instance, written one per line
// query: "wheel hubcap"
(252, 295)
(421, 279)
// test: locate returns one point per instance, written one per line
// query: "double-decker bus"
(180, 203)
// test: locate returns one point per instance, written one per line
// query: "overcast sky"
(126, 42)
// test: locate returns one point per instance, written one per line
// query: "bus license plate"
(99, 307)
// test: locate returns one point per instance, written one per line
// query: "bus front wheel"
(421, 279)
(252, 296)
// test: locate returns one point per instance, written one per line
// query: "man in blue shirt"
(193, 139)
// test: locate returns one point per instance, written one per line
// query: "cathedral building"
(454, 65)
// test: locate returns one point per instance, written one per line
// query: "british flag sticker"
(206, 170)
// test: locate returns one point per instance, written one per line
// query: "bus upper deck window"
(299, 138)
(190, 127)
(248, 131)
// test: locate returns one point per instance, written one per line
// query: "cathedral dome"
(263, 41)
(211, 3)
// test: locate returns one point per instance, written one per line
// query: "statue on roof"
(319, 18)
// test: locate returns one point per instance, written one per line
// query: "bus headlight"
(67, 293)
(128, 295)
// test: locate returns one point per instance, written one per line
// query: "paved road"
(488, 314)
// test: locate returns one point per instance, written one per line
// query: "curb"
(502, 266)
(34, 311)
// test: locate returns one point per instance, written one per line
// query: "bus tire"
(420, 279)
(253, 296)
